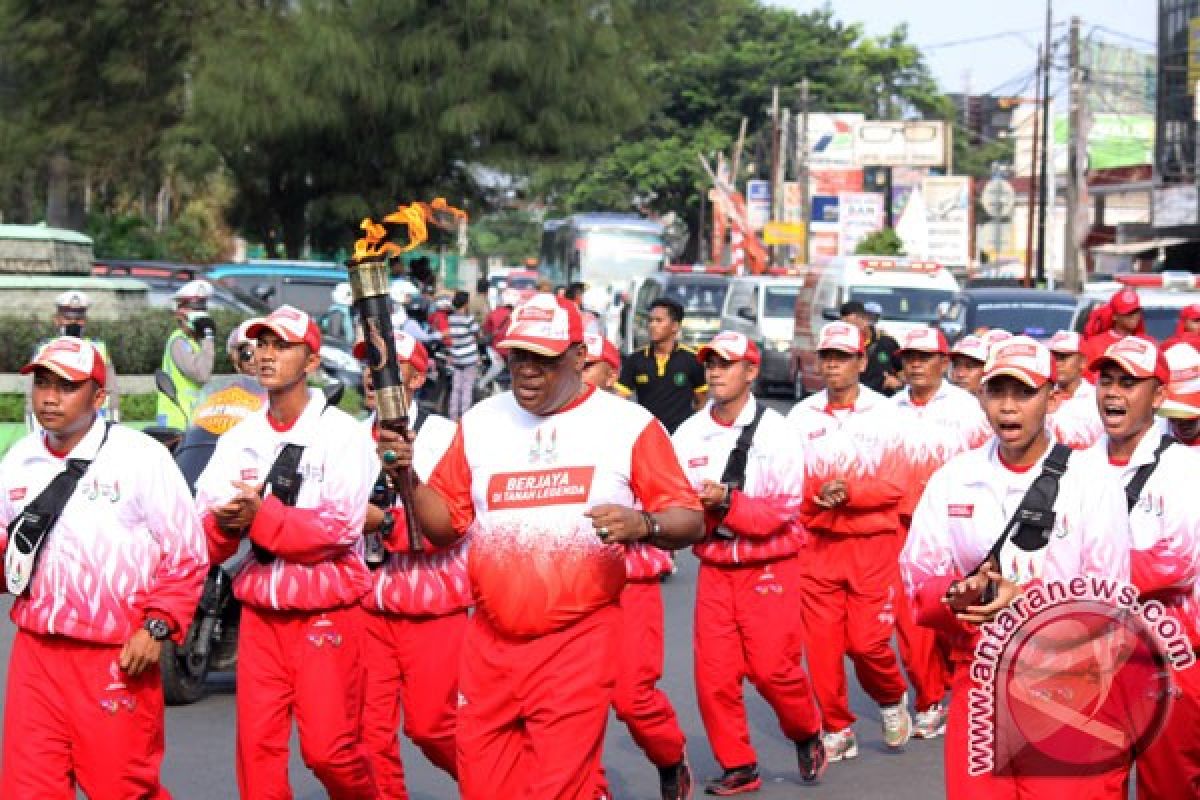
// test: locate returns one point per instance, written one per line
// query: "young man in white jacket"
(962, 514)
(119, 572)
(1131, 378)
(300, 646)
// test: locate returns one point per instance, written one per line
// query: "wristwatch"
(158, 628)
(722, 507)
(652, 525)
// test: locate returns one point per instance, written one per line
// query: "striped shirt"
(463, 340)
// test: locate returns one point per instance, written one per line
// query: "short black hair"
(852, 307)
(460, 299)
(575, 291)
(672, 306)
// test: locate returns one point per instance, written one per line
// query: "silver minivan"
(764, 309)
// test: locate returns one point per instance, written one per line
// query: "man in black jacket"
(883, 366)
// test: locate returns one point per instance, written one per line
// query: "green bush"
(135, 342)
(134, 407)
(12, 408)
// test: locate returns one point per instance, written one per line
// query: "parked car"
(1162, 295)
(764, 309)
(1033, 312)
(700, 290)
(163, 278)
(305, 285)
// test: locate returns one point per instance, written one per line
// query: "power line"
(984, 38)
(1127, 36)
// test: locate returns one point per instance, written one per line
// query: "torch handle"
(405, 488)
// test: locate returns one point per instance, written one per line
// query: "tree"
(885, 242)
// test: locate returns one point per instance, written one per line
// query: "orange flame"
(415, 218)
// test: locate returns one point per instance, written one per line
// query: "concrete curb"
(13, 383)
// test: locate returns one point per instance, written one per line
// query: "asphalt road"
(199, 762)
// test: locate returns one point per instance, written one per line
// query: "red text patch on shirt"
(544, 487)
(16, 494)
(961, 510)
(819, 432)
(250, 474)
(698, 461)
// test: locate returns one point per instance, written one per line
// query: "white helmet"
(595, 299)
(342, 295)
(193, 290)
(238, 337)
(73, 299)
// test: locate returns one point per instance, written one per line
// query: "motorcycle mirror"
(333, 392)
(163, 382)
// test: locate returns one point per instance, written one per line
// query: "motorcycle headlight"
(782, 345)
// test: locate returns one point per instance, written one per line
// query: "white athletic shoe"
(897, 723)
(931, 723)
(840, 745)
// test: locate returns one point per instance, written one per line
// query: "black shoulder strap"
(29, 529)
(1138, 482)
(1034, 518)
(735, 467)
(419, 419)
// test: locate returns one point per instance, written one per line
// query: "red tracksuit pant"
(412, 671)
(1170, 767)
(308, 664)
(962, 786)
(849, 605)
(749, 625)
(924, 659)
(532, 711)
(72, 718)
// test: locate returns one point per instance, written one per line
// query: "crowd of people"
(520, 598)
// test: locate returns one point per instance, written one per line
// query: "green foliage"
(12, 408)
(134, 407)
(881, 243)
(511, 235)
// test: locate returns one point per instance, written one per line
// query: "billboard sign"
(948, 219)
(859, 214)
(900, 143)
(758, 203)
(831, 141)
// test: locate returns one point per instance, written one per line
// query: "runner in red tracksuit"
(748, 618)
(1121, 316)
(639, 703)
(549, 479)
(416, 611)
(938, 421)
(962, 513)
(1165, 522)
(852, 491)
(300, 646)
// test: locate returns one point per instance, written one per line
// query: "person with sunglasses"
(241, 349)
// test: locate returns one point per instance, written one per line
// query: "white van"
(763, 308)
(908, 291)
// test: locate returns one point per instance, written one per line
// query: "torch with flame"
(369, 282)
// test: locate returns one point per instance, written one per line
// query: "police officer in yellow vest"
(189, 355)
(70, 318)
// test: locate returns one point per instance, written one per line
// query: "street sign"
(758, 203)
(784, 233)
(998, 198)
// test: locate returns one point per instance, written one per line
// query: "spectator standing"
(664, 377)
(881, 373)
(462, 356)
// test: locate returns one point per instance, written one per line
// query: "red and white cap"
(1183, 392)
(840, 336)
(731, 346)
(1023, 358)
(71, 359)
(408, 350)
(291, 325)
(1066, 343)
(924, 340)
(1125, 301)
(1137, 356)
(601, 349)
(992, 336)
(544, 324)
(971, 346)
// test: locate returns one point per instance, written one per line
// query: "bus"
(606, 250)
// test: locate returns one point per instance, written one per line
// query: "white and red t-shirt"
(859, 445)
(317, 544)
(1165, 524)
(433, 582)
(520, 484)
(933, 432)
(1076, 422)
(762, 523)
(966, 507)
(128, 542)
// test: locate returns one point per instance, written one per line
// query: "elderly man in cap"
(189, 354)
(551, 480)
(881, 373)
(70, 319)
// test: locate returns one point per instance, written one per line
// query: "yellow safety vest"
(187, 391)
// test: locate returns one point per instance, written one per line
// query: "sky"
(1001, 65)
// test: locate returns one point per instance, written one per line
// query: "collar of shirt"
(1142, 454)
(307, 425)
(905, 397)
(86, 448)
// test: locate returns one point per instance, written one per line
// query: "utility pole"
(1074, 124)
(1032, 202)
(776, 157)
(805, 201)
(1048, 194)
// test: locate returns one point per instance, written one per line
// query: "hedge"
(134, 407)
(135, 342)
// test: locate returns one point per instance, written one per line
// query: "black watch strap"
(158, 628)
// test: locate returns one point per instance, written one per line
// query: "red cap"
(924, 340)
(408, 350)
(601, 349)
(731, 346)
(71, 359)
(840, 336)
(1125, 301)
(544, 324)
(291, 325)
(1023, 358)
(1137, 356)
(1191, 312)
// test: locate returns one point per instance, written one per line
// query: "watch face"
(158, 628)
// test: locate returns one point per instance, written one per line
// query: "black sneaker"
(738, 780)
(675, 782)
(810, 754)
